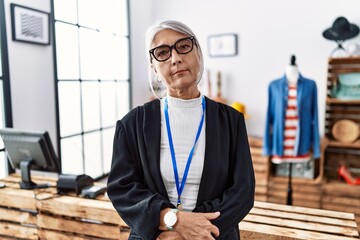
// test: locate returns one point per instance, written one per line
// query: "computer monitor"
(30, 150)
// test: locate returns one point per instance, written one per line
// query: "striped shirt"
(291, 131)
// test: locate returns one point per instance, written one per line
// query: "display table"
(42, 214)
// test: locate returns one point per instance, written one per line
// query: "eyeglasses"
(182, 46)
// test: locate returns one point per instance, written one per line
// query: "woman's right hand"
(193, 225)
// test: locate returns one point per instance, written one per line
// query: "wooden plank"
(18, 231)
(255, 141)
(260, 189)
(351, 202)
(357, 219)
(260, 197)
(275, 232)
(17, 216)
(342, 208)
(261, 168)
(78, 226)
(303, 217)
(256, 151)
(102, 211)
(259, 159)
(17, 198)
(49, 234)
(15, 178)
(308, 211)
(261, 179)
(314, 227)
(341, 189)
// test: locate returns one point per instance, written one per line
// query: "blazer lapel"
(152, 134)
(212, 151)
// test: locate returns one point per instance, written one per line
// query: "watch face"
(170, 218)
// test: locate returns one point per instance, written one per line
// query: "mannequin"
(292, 71)
(291, 132)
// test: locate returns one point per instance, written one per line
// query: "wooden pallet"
(43, 214)
(274, 221)
(305, 194)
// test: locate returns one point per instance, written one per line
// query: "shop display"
(341, 142)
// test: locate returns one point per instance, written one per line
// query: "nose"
(175, 57)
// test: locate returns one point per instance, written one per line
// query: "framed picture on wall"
(30, 25)
(223, 45)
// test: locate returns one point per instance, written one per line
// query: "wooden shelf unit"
(336, 153)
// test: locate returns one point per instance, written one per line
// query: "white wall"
(31, 78)
(269, 32)
(141, 13)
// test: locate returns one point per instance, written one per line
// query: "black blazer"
(135, 186)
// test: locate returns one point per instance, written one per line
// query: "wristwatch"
(170, 219)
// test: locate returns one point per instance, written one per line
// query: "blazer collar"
(152, 138)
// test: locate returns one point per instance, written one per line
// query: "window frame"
(57, 81)
(4, 77)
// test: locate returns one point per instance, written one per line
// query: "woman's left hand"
(170, 235)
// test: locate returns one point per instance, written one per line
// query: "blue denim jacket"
(308, 129)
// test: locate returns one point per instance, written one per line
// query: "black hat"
(341, 30)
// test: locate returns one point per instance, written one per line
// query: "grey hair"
(178, 27)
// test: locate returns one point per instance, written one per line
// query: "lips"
(179, 71)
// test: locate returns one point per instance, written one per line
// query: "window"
(92, 59)
(5, 103)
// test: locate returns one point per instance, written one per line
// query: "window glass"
(91, 106)
(93, 79)
(89, 14)
(72, 155)
(69, 108)
(114, 57)
(67, 54)
(108, 103)
(115, 17)
(92, 149)
(90, 54)
(66, 10)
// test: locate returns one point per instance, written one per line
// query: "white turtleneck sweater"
(184, 116)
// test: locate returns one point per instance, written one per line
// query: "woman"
(181, 165)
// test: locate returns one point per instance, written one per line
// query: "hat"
(241, 108)
(341, 30)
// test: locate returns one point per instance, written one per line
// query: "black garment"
(135, 185)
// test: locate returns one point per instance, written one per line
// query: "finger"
(215, 231)
(212, 216)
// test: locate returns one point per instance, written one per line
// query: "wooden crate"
(274, 221)
(342, 197)
(261, 168)
(17, 212)
(304, 193)
(43, 214)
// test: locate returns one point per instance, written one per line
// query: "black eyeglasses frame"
(152, 55)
